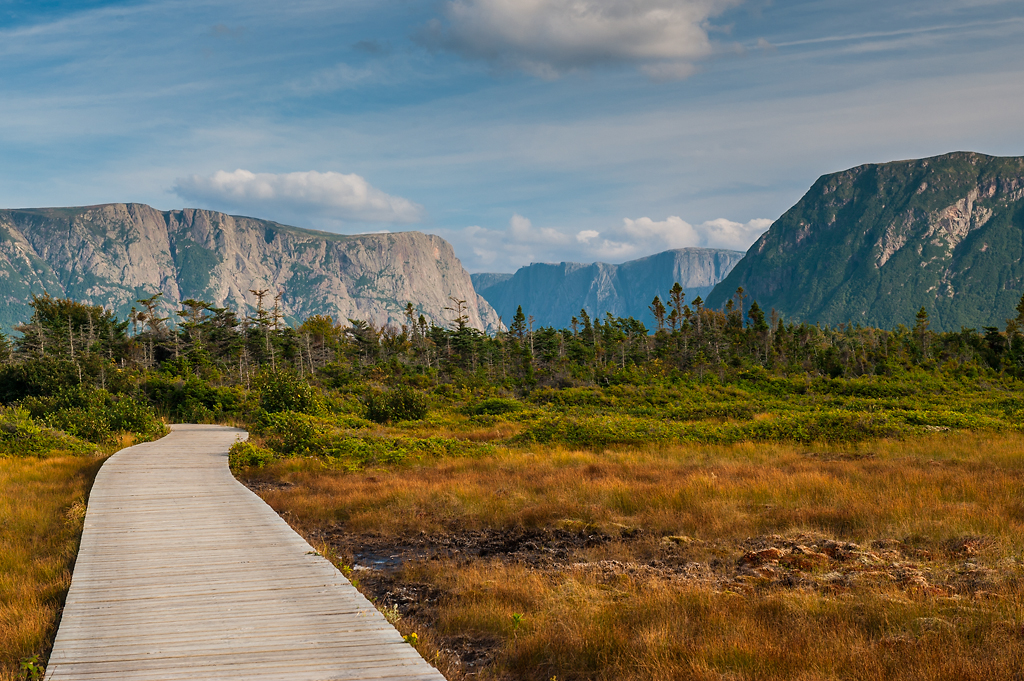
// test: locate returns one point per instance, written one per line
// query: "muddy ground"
(955, 569)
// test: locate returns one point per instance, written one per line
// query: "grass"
(42, 508)
(883, 559)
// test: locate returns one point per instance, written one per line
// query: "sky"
(520, 130)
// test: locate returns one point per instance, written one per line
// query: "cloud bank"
(504, 250)
(550, 37)
(333, 195)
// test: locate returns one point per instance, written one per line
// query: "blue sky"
(520, 130)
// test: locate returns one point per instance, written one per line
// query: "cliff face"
(114, 254)
(553, 294)
(875, 243)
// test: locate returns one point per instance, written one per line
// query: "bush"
(494, 406)
(20, 435)
(398, 404)
(192, 400)
(284, 391)
(248, 455)
(94, 414)
(292, 434)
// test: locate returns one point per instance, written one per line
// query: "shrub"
(192, 400)
(284, 391)
(292, 433)
(247, 455)
(494, 406)
(94, 414)
(20, 435)
(398, 404)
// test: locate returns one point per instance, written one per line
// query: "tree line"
(87, 344)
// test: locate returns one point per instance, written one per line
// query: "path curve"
(183, 573)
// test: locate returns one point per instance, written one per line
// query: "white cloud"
(522, 243)
(549, 37)
(332, 195)
(674, 232)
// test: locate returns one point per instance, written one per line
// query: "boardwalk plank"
(183, 573)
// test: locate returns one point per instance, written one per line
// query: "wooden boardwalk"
(183, 573)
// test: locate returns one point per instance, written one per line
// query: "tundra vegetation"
(726, 495)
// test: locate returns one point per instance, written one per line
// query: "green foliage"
(284, 391)
(495, 406)
(35, 376)
(20, 435)
(295, 434)
(94, 414)
(397, 404)
(193, 400)
(31, 669)
(244, 454)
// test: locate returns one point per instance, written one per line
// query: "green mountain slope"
(874, 243)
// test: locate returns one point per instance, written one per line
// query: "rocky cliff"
(875, 243)
(553, 294)
(114, 254)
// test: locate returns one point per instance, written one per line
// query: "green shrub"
(356, 452)
(284, 391)
(94, 414)
(20, 435)
(494, 406)
(192, 400)
(247, 455)
(398, 404)
(291, 433)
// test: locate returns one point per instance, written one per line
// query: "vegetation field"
(887, 559)
(726, 496)
(45, 476)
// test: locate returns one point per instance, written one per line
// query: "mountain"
(874, 243)
(114, 254)
(552, 294)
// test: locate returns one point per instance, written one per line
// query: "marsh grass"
(946, 603)
(42, 508)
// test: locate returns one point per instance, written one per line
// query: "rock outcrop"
(553, 294)
(114, 254)
(875, 243)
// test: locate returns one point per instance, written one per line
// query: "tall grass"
(936, 488)
(42, 507)
(927, 495)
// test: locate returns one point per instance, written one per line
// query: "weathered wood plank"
(183, 573)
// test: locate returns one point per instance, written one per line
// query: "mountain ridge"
(875, 243)
(114, 254)
(555, 292)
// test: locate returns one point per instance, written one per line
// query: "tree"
(921, 333)
(657, 309)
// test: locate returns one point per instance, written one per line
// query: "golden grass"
(576, 626)
(42, 507)
(907, 614)
(935, 488)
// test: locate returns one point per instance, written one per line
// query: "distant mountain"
(553, 294)
(874, 243)
(114, 254)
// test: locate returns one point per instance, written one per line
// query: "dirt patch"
(537, 548)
